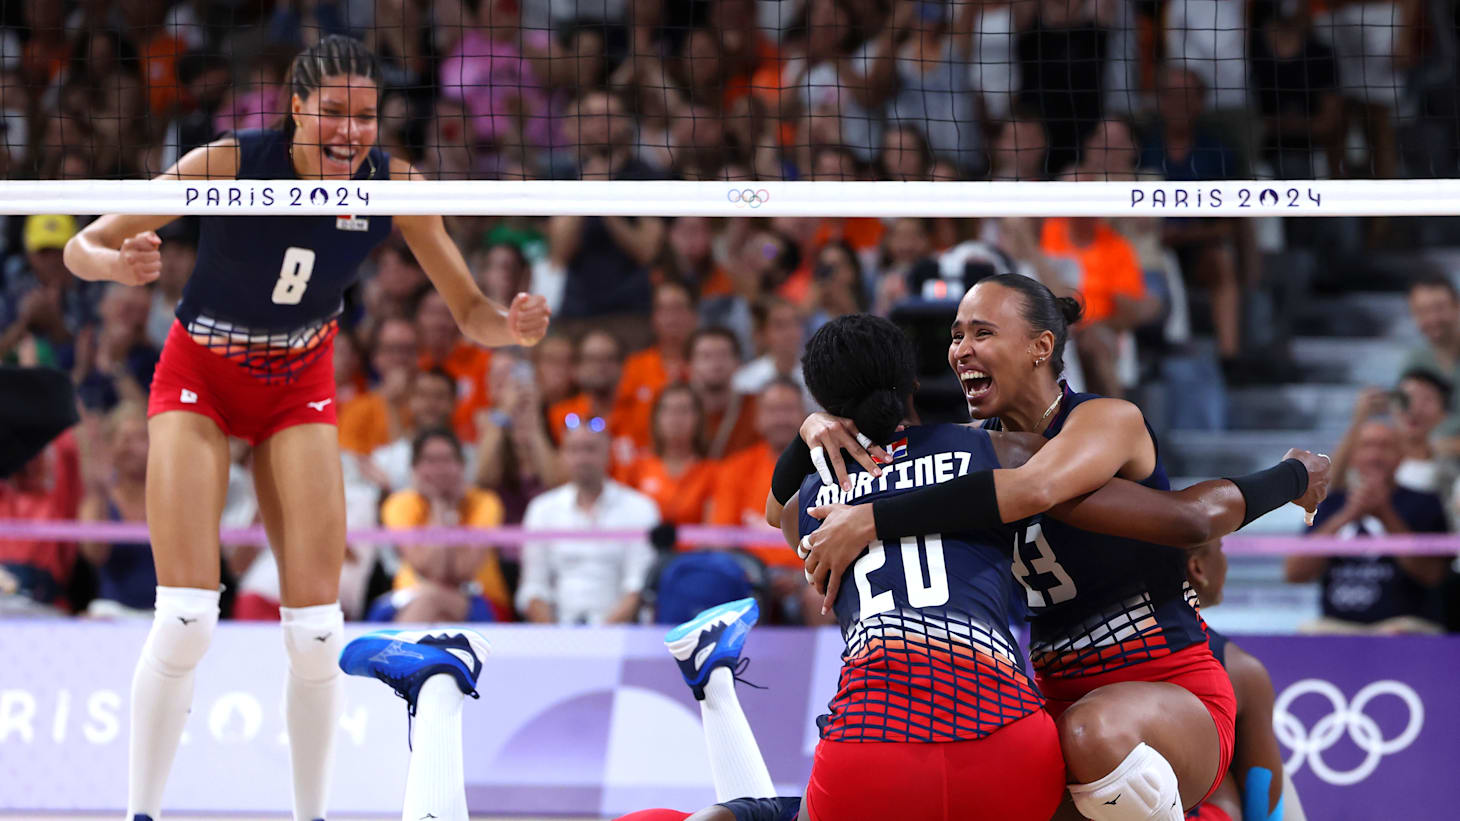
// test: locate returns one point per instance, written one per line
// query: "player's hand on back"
(1318, 466)
(139, 261)
(527, 318)
(829, 550)
(832, 435)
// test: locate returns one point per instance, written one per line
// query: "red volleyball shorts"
(1014, 774)
(1208, 812)
(189, 377)
(1192, 668)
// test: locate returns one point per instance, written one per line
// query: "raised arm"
(123, 247)
(483, 321)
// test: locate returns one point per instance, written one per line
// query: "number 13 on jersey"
(1039, 571)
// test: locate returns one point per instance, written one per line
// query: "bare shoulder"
(217, 160)
(1107, 411)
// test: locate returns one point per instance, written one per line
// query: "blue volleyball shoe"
(711, 639)
(404, 659)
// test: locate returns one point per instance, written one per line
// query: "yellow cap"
(48, 231)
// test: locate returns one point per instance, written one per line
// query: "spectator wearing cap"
(1375, 594)
(714, 356)
(567, 580)
(739, 497)
(42, 301)
(599, 366)
(443, 582)
(648, 371)
(675, 473)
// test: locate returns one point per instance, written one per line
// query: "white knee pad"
(313, 638)
(182, 627)
(1142, 788)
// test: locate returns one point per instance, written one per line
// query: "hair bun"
(1070, 309)
(878, 414)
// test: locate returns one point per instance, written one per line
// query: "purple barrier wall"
(587, 722)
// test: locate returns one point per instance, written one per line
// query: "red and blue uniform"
(1106, 609)
(934, 716)
(251, 348)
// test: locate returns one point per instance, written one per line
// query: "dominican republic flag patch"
(352, 223)
(897, 449)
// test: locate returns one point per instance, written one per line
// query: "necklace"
(1050, 409)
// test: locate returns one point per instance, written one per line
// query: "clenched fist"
(139, 261)
(527, 318)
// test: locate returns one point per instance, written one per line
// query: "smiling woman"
(251, 357)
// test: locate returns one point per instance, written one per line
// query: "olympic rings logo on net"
(1346, 719)
(753, 197)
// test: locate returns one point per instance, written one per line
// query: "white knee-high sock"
(736, 764)
(1141, 788)
(162, 690)
(435, 782)
(313, 637)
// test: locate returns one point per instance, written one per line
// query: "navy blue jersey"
(1368, 589)
(929, 654)
(1097, 602)
(277, 279)
(1218, 644)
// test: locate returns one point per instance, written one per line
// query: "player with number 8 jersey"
(250, 357)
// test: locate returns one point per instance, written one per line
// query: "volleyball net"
(1296, 106)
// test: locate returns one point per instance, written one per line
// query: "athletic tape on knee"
(1255, 789)
(313, 637)
(182, 627)
(1142, 788)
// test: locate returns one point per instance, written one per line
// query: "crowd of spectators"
(672, 377)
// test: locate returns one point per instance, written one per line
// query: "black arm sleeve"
(965, 503)
(1268, 490)
(792, 468)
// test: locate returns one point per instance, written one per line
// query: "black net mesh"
(768, 89)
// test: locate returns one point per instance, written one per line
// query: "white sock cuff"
(187, 600)
(313, 638)
(1141, 788)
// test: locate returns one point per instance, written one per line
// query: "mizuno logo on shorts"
(320, 405)
(188, 397)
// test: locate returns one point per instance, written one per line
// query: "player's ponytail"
(862, 367)
(1044, 312)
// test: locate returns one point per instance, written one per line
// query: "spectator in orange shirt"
(373, 419)
(1114, 292)
(714, 356)
(440, 582)
(443, 346)
(742, 480)
(648, 371)
(675, 474)
(599, 366)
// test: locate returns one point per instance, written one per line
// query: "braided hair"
(333, 56)
(862, 367)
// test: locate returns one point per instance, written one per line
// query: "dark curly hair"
(1044, 312)
(863, 368)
